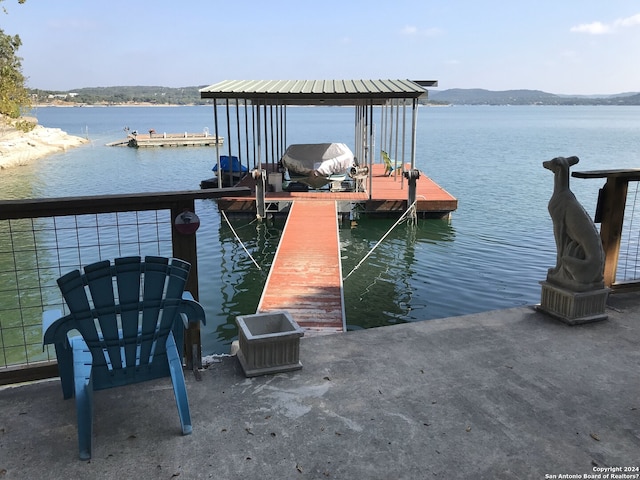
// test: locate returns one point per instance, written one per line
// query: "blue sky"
(559, 46)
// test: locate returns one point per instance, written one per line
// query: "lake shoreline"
(19, 148)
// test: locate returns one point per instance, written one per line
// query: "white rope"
(402, 217)
(238, 238)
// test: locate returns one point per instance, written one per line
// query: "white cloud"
(632, 21)
(428, 32)
(595, 28)
(599, 28)
(410, 30)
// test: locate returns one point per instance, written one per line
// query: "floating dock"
(168, 140)
(306, 276)
(388, 197)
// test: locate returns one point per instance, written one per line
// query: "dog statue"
(580, 261)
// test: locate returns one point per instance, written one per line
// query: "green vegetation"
(23, 125)
(122, 95)
(14, 96)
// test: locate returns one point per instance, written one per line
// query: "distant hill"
(478, 96)
(156, 95)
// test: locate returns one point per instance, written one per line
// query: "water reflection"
(392, 285)
(234, 277)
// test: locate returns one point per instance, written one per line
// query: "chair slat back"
(125, 311)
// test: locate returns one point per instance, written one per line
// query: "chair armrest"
(48, 317)
(55, 327)
(192, 309)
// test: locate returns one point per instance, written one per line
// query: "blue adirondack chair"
(131, 317)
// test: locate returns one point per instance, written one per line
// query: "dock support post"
(259, 177)
(412, 177)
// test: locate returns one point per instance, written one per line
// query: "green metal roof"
(317, 92)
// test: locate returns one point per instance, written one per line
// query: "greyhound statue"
(580, 261)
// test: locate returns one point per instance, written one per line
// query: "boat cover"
(319, 159)
(236, 166)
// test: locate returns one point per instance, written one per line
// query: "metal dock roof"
(318, 92)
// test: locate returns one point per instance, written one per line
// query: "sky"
(580, 47)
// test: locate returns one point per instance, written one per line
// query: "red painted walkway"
(306, 276)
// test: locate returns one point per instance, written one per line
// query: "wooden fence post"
(185, 248)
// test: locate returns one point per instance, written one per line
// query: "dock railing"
(618, 214)
(42, 239)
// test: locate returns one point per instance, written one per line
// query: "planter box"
(269, 343)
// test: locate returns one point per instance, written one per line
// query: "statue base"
(573, 308)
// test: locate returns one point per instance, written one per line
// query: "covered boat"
(231, 172)
(232, 165)
(317, 159)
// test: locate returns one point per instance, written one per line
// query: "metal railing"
(618, 214)
(42, 239)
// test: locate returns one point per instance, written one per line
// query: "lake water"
(492, 254)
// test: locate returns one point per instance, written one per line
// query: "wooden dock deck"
(306, 276)
(389, 196)
(168, 140)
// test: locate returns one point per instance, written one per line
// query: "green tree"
(14, 95)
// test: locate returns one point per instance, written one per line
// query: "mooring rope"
(402, 217)
(238, 238)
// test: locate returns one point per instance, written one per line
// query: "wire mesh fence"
(628, 259)
(34, 252)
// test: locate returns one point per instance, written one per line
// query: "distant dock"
(168, 140)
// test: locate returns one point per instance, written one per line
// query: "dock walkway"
(306, 276)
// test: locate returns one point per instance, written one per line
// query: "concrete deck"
(509, 394)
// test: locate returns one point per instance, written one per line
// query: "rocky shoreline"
(19, 148)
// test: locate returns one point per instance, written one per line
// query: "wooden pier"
(168, 140)
(388, 197)
(306, 276)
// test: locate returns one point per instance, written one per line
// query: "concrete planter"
(269, 343)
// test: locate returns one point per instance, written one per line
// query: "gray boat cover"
(319, 159)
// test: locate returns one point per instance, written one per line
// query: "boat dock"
(306, 278)
(168, 140)
(388, 197)
(306, 275)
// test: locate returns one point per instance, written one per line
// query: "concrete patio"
(509, 394)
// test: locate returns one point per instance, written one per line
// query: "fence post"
(614, 196)
(185, 248)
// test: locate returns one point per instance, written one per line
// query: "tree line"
(154, 95)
